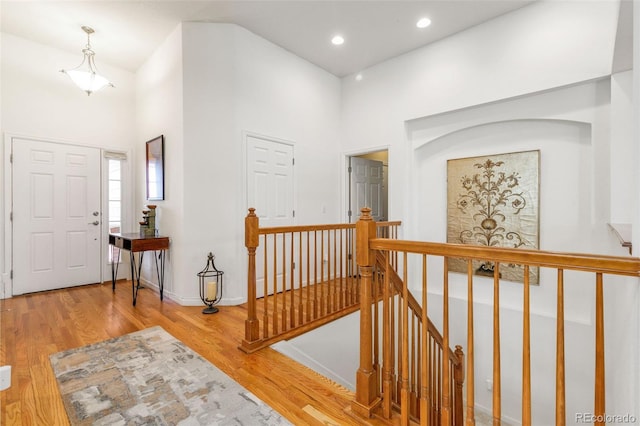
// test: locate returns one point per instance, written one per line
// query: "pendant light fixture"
(85, 75)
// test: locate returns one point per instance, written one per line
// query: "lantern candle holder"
(210, 280)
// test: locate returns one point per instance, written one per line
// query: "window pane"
(114, 190)
(114, 196)
(114, 211)
(114, 169)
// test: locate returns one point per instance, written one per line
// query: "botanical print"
(493, 201)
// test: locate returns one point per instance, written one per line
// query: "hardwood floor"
(36, 325)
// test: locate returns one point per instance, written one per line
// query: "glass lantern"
(210, 280)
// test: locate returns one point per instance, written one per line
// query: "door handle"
(95, 222)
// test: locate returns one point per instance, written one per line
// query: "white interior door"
(270, 192)
(366, 187)
(56, 215)
(270, 180)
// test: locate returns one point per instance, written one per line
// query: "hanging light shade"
(85, 75)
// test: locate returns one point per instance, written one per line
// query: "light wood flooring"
(36, 325)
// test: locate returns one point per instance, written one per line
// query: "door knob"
(95, 222)
(96, 213)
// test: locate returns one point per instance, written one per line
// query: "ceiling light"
(423, 23)
(337, 40)
(85, 75)
(358, 76)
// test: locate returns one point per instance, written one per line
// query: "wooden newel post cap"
(365, 230)
(366, 213)
(251, 227)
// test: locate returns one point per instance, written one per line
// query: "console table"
(135, 243)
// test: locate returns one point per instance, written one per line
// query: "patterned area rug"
(150, 378)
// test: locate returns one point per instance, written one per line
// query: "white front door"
(366, 188)
(270, 192)
(56, 215)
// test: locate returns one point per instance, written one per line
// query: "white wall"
(538, 47)
(622, 151)
(159, 111)
(40, 102)
(331, 350)
(298, 102)
(235, 82)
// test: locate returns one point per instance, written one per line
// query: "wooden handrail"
(307, 278)
(445, 412)
(321, 227)
(629, 266)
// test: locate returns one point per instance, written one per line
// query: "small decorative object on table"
(148, 224)
(210, 279)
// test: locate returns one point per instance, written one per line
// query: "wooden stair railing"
(299, 278)
(375, 398)
(411, 380)
(425, 377)
(415, 384)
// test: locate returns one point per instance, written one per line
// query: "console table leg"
(115, 262)
(134, 292)
(160, 271)
(136, 272)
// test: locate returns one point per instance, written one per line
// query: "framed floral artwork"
(493, 201)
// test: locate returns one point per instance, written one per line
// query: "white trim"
(187, 301)
(6, 287)
(114, 155)
(126, 198)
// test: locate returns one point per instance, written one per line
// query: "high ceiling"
(128, 31)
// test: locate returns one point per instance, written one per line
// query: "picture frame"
(493, 200)
(155, 168)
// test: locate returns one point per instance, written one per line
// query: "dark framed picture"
(155, 169)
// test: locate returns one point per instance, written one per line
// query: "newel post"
(251, 242)
(367, 397)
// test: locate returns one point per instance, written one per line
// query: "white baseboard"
(295, 354)
(5, 287)
(189, 301)
(484, 417)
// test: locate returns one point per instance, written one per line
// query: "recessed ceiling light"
(358, 76)
(423, 23)
(337, 40)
